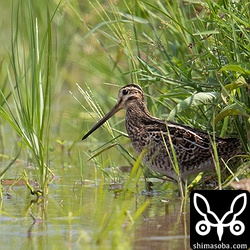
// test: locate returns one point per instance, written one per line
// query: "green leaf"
(240, 82)
(233, 109)
(134, 18)
(201, 98)
(206, 32)
(242, 68)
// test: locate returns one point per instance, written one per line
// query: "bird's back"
(192, 147)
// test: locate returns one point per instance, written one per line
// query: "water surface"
(78, 215)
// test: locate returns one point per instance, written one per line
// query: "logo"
(219, 219)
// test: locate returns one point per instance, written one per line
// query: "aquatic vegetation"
(26, 104)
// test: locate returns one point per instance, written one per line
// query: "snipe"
(192, 147)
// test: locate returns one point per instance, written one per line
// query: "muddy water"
(72, 217)
(170, 230)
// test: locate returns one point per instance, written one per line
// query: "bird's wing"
(191, 147)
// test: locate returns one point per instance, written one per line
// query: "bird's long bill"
(115, 109)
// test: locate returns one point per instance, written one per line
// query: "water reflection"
(80, 213)
(167, 231)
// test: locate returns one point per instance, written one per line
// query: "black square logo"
(219, 219)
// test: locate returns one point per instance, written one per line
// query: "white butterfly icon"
(236, 227)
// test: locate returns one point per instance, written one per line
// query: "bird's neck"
(137, 111)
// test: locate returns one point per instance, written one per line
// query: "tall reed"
(27, 105)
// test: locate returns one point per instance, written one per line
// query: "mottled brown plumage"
(192, 147)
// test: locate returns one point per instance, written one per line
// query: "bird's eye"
(125, 92)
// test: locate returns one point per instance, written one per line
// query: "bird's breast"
(138, 136)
